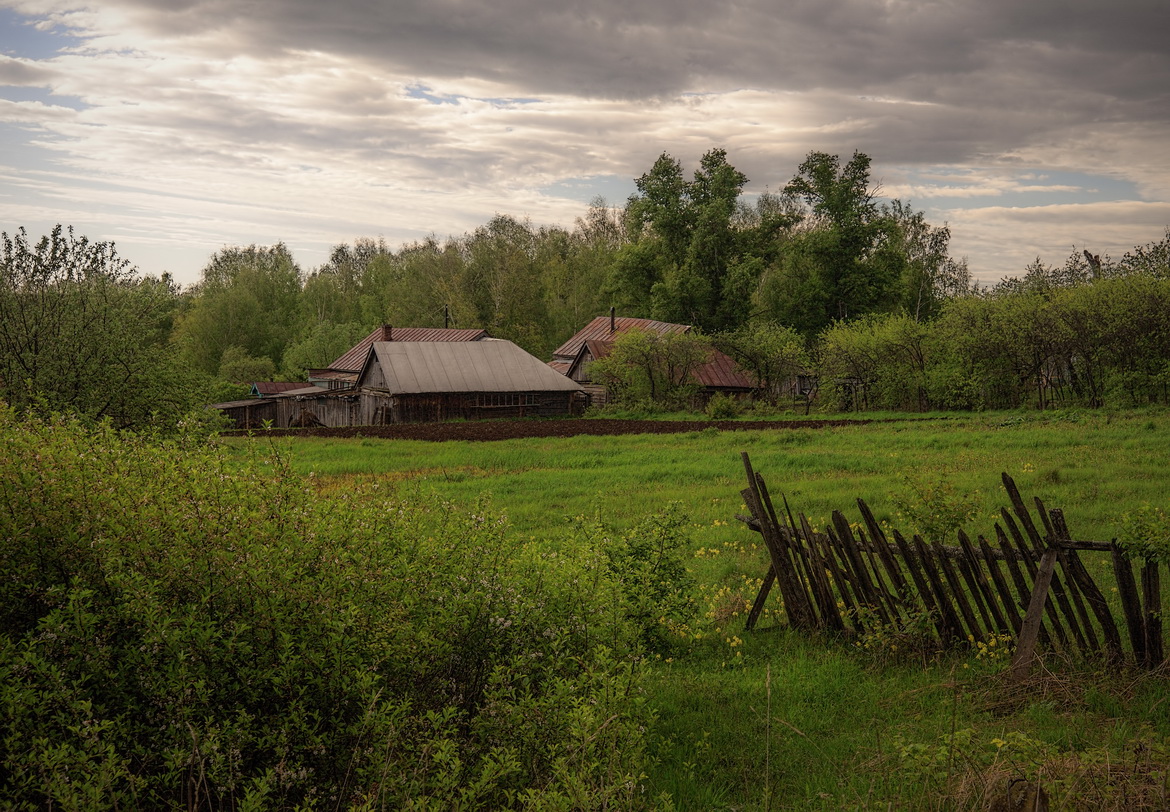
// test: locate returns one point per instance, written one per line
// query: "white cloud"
(212, 121)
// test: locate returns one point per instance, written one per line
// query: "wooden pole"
(1030, 630)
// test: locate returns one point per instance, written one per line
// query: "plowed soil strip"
(482, 430)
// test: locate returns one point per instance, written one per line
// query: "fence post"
(1030, 629)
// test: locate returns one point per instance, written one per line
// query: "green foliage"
(325, 342)
(935, 508)
(248, 298)
(80, 331)
(654, 367)
(722, 406)
(1145, 533)
(236, 366)
(774, 355)
(875, 362)
(181, 628)
(649, 562)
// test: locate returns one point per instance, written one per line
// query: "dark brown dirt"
(516, 429)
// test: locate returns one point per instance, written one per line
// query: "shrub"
(186, 628)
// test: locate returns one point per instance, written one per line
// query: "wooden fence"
(1030, 583)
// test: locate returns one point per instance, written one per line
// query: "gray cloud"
(434, 114)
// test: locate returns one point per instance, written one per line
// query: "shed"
(412, 381)
(248, 414)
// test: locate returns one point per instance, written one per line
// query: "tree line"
(819, 278)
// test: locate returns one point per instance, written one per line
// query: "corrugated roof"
(491, 365)
(599, 330)
(721, 372)
(352, 360)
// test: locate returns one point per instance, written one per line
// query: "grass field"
(772, 721)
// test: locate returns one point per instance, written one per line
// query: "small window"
(504, 400)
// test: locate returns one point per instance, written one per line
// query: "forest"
(820, 279)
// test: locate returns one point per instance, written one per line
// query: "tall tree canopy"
(248, 298)
(81, 332)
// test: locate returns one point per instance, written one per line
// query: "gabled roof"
(352, 360)
(599, 330)
(432, 367)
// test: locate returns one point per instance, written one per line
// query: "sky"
(174, 128)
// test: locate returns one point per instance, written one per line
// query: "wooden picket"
(1031, 583)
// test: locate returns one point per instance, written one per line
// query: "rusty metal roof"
(352, 360)
(599, 330)
(490, 365)
(721, 372)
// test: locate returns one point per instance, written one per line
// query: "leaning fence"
(1030, 582)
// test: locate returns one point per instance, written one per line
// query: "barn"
(420, 381)
(412, 381)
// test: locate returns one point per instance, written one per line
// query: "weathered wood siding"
(372, 408)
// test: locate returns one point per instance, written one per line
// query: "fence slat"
(1152, 619)
(914, 564)
(1007, 600)
(1059, 636)
(1074, 591)
(1131, 604)
(856, 561)
(1030, 631)
(974, 630)
(883, 551)
(830, 613)
(942, 601)
(996, 623)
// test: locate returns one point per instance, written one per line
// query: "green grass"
(1093, 465)
(774, 721)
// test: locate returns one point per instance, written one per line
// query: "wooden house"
(422, 381)
(419, 381)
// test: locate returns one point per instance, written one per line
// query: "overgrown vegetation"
(821, 283)
(181, 630)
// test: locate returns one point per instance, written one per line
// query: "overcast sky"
(175, 127)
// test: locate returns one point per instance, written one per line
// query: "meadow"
(768, 720)
(195, 622)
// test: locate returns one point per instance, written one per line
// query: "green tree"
(236, 366)
(918, 252)
(247, 297)
(654, 368)
(81, 332)
(688, 255)
(323, 343)
(771, 353)
(834, 266)
(877, 361)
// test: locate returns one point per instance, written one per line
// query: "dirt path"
(514, 429)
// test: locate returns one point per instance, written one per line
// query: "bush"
(185, 627)
(722, 406)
